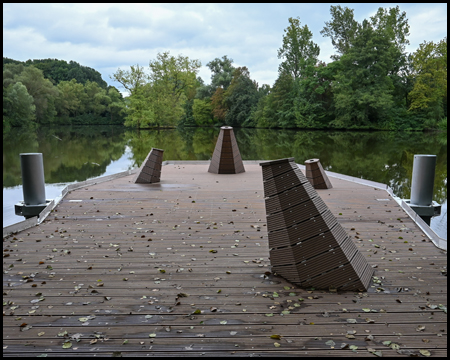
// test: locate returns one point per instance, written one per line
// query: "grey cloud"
(108, 36)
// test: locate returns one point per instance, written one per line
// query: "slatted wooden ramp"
(150, 170)
(181, 268)
(226, 158)
(307, 245)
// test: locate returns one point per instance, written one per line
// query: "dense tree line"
(56, 92)
(59, 70)
(371, 83)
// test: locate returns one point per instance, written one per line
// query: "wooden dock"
(181, 268)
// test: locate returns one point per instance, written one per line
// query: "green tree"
(187, 118)
(314, 98)
(221, 75)
(202, 112)
(342, 29)
(18, 106)
(297, 50)
(222, 72)
(241, 97)
(116, 105)
(258, 114)
(395, 25)
(178, 74)
(131, 80)
(159, 97)
(284, 95)
(98, 99)
(10, 73)
(370, 88)
(300, 55)
(42, 91)
(363, 89)
(60, 70)
(171, 78)
(141, 108)
(219, 108)
(279, 110)
(429, 93)
(70, 101)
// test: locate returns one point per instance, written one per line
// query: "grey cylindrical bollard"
(32, 165)
(423, 179)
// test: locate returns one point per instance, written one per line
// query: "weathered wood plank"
(202, 226)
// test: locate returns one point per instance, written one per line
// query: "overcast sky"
(111, 36)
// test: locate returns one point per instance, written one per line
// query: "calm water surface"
(73, 154)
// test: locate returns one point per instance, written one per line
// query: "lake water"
(73, 154)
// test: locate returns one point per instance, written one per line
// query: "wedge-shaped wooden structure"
(150, 170)
(226, 158)
(316, 174)
(307, 245)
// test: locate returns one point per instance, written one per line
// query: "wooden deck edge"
(437, 240)
(36, 220)
(205, 162)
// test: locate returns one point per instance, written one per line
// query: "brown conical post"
(150, 170)
(307, 245)
(226, 158)
(316, 174)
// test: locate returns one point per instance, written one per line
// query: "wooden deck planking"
(186, 215)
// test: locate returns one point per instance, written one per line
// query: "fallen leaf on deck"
(330, 343)
(375, 352)
(25, 327)
(84, 319)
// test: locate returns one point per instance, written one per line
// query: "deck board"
(198, 241)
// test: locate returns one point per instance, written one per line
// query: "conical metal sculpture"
(226, 158)
(316, 174)
(307, 245)
(150, 170)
